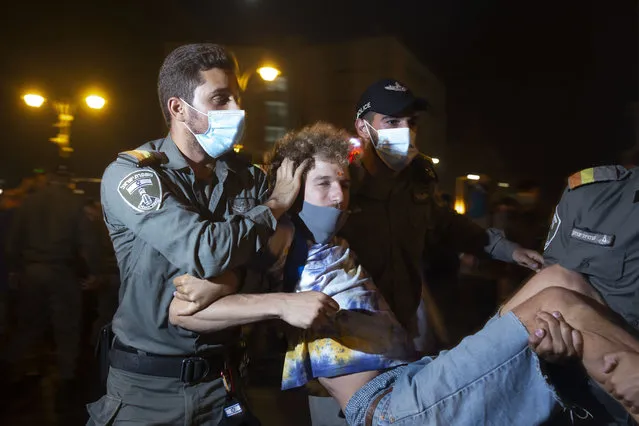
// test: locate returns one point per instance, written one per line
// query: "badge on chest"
(241, 205)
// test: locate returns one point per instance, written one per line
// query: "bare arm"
(302, 310)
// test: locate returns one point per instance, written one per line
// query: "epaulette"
(596, 174)
(143, 158)
(423, 165)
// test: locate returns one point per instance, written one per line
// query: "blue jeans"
(490, 378)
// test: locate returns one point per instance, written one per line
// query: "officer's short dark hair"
(180, 73)
(321, 140)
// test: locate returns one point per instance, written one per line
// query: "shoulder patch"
(596, 174)
(143, 158)
(141, 190)
(554, 227)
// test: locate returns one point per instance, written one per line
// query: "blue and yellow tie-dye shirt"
(363, 336)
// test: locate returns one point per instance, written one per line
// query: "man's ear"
(360, 128)
(177, 109)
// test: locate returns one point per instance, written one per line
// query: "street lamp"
(33, 100)
(95, 101)
(267, 73)
(65, 111)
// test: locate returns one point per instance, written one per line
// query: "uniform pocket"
(590, 259)
(103, 411)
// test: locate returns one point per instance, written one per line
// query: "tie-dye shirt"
(364, 335)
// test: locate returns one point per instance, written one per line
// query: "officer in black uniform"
(595, 231)
(184, 204)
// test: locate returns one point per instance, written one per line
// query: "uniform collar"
(224, 164)
(375, 187)
(172, 152)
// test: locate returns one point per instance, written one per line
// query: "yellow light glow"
(95, 101)
(435, 160)
(472, 177)
(503, 185)
(238, 147)
(33, 100)
(268, 73)
(460, 206)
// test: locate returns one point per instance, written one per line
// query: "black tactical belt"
(189, 370)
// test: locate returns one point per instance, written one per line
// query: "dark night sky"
(542, 87)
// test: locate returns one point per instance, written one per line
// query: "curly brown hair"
(321, 140)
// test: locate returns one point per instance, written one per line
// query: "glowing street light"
(472, 177)
(503, 184)
(435, 160)
(65, 111)
(268, 73)
(95, 101)
(33, 100)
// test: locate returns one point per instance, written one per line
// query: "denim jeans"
(490, 378)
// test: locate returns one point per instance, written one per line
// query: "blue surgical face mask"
(226, 128)
(322, 222)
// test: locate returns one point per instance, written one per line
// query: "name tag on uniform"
(592, 237)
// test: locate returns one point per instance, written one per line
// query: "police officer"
(595, 231)
(49, 234)
(393, 195)
(393, 199)
(185, 204)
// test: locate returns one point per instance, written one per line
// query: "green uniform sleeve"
(137, 200)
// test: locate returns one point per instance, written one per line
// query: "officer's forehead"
(216, 80)
(404, 115)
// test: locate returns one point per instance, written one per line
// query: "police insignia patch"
(554, 227)
(141, 190)
(240, 205)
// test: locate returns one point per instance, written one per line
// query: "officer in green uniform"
(595, 231)
(184, 204)
(396, 224)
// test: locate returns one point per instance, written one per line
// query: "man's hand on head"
(287, 186)
(196, 294)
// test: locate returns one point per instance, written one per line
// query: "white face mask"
(226, 128)
(395, 147)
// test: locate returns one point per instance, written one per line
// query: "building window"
(280, 84)
(276, 113)
(273, 133)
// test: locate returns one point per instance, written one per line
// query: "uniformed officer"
(49, 234)
(393, 200)
(185, 204)
(595, 231)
